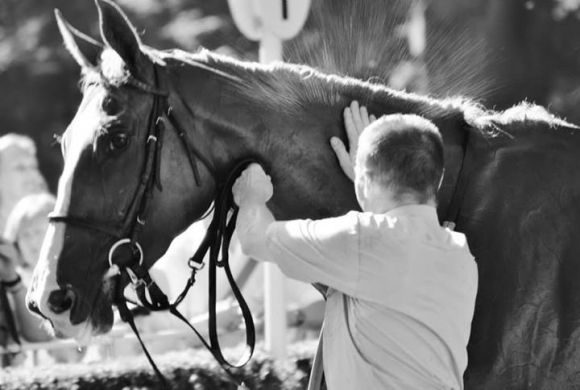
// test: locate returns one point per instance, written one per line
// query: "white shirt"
(401, 295)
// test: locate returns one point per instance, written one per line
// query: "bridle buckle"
(195, 265)
(134, 279)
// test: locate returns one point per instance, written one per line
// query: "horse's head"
(118, 180)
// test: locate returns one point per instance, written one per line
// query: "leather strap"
(454, 208)
(317, 371)
(8, 315)
(127, 317)
(216, 242)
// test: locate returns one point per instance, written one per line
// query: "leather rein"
(461, 183)
(215, 242)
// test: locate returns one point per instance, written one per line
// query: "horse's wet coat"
(519, 208)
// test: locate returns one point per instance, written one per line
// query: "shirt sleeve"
(321, 251)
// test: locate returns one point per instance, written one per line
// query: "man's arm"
(251, 192)
(253, 223)
(323, 251)
(313, 251)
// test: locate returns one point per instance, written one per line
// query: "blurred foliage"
(502, 52)
(495, 51)
(192, 369)
(363, 39)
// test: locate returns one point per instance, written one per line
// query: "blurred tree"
(502, 52)
(495, 51)
(363, 39)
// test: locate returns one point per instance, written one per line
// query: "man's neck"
(384, 204)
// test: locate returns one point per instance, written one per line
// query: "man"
(401, 288)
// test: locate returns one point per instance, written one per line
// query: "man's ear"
(441, 180)
(84, 49)
(120, 35)
(366, 185)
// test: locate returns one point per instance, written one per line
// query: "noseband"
(215, 242)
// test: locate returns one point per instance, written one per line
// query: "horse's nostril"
(33, 307)
(61, 300)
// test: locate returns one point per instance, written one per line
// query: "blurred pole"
(270, 49)
(274, 301)
(270, 22)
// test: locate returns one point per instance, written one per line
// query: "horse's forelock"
(113, 68)
(110, 72)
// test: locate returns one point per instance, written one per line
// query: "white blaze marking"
(81, 132)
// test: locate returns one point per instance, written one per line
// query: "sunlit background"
(497, 52)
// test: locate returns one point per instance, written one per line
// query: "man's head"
(399, 161)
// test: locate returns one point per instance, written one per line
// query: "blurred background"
(498, 52)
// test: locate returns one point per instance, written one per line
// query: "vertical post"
(270, 48)
(274, 301)
(270, 22)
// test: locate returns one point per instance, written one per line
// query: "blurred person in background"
(19, 174)
(16, 322)
(19, 252)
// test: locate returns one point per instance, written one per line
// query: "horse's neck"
(292, 142)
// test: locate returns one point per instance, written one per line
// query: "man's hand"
(355, 120)
(252, 187)
(251, 192)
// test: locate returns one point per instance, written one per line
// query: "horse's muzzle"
(61, 300)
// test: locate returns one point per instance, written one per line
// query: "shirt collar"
(423, 211)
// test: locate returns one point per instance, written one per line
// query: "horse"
(510, 185)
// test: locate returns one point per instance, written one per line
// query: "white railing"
(108, 343)
(100, 340)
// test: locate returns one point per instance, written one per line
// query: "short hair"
(403, 152)
(27, 210)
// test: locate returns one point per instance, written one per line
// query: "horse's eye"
(118, 141)
(111, 105)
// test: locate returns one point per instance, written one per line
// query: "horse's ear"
(84, 49)
(120, 35)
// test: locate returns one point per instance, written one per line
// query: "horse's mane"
(283, 86)
(292, 88)
(522, 113)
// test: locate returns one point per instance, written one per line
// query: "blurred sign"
(257, 18)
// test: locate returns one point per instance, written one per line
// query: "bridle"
(215, 242)
(464, 173)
